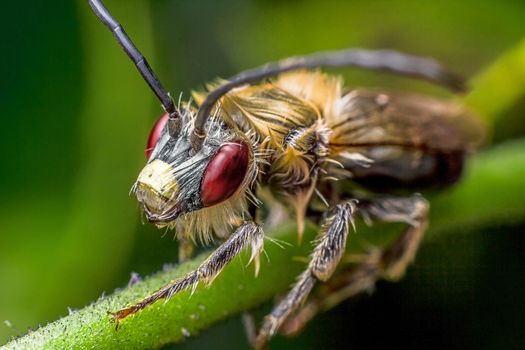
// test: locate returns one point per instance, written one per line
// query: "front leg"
(247, 233)
(330, 247)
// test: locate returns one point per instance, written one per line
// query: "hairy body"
(315, 145)
(322, 149)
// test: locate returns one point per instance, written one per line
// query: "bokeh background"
(76, 115)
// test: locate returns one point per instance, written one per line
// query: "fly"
(330, 153)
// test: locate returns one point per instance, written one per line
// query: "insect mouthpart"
(156, 189)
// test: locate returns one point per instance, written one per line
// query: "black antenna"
(140, 62)
(383, 60)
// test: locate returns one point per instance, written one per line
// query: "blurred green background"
(76, 115)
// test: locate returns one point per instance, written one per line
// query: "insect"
(332, 154)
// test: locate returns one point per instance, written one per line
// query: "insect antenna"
(383, 60)
(140, 62)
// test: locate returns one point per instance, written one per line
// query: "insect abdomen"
(428, 170)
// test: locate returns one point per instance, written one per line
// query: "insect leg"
(248, 233)
(389, 263)
(410, 210)
(330, 247)
(346, 284)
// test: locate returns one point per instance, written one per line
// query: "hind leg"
(413, 211)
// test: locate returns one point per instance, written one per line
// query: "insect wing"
(411, 139)
(417, 122)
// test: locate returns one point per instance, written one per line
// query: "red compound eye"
(224, 173)
(155, 132)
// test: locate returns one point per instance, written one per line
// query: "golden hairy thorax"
(291, 118)
(288, 114)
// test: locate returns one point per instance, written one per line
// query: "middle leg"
(330, 247)
(389, 262)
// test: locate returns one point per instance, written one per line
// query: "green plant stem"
(499, 86)
(491, 193)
